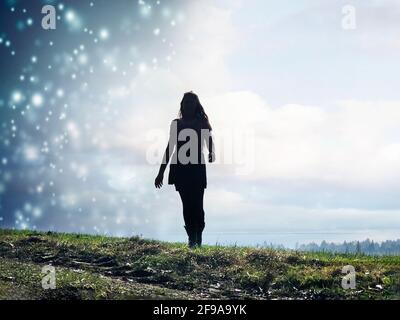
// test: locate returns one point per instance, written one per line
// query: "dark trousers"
(193, 212)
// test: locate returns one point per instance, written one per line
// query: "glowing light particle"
(70, 16)
(142, 67)
(104, 34)
(83, 59)
(31, 153)
(24, 226)
(60, 93)
(145, 10)
(37, 212)
(37, 100)
(73, 20)
(17, 96)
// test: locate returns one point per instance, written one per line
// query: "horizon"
(298, 246)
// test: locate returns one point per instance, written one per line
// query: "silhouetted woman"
(188, 134)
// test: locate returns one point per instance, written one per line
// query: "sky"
(301, 96)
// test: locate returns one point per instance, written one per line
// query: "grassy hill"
(96, 267)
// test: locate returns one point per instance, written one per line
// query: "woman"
(188, 170)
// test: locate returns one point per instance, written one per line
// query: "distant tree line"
(369, 247)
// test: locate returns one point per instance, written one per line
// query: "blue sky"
(299, 53)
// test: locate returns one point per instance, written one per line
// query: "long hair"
(190, 98)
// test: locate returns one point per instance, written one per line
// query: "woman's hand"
(211, 157)
(159, 180)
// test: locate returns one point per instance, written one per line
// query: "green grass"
(97, 267)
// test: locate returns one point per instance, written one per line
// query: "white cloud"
(350, 143)
(222, 198)
(207, 41)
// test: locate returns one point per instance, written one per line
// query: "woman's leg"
(187, 204)
(193, 213)
(198, 211)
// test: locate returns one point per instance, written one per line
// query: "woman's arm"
(167, 155)
(160, 177)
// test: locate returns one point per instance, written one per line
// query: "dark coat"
(192, 174)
